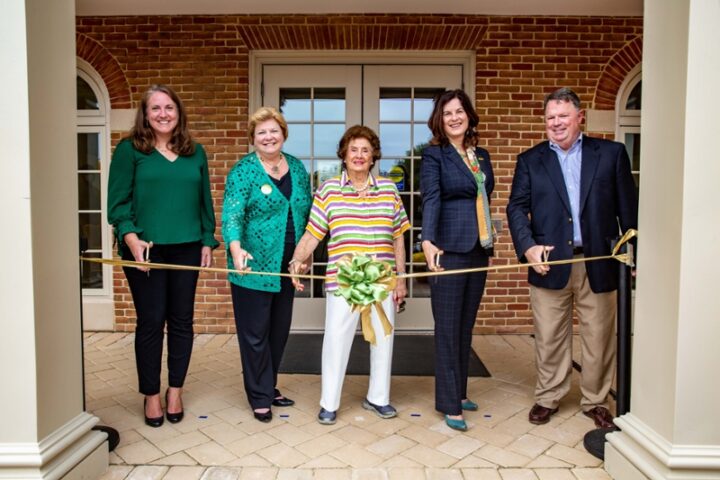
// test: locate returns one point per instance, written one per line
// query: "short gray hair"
(563, 94)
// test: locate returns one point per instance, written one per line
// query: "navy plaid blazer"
(449, 194)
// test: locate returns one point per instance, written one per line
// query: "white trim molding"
(122, 119)
(55, 455)
(657, 458)
(599, 120)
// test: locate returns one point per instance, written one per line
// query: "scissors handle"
(147, 255)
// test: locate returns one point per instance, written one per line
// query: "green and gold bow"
(364, 282)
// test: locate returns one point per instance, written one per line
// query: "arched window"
(92, 168)
(628, 108)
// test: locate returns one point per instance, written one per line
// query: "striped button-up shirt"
(357, 224)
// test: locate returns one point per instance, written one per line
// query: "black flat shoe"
(263, 417)
(283, 402)
(152, 422)
(173, 417)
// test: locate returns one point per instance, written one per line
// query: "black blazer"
(449, 194)
(608, 204)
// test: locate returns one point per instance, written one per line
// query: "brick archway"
(615, 72)
(108, 68)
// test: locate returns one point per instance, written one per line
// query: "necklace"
(363, 188)
(275, 169)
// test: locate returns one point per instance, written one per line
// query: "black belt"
(578, 251)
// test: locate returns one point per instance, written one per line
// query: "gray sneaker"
(384, 411)
(326, 418)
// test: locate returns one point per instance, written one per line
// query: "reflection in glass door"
(403, 134)
(316, 118)
(398, 101)
(319, 103)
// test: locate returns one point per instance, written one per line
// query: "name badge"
(266, 189)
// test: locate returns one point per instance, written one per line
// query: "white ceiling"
(477, 7)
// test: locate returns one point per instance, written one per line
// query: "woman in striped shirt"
(362, 214)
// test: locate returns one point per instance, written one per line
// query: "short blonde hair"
(263, 114)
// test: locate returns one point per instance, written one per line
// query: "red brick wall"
(519, 60)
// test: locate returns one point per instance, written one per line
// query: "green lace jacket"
(255, 213)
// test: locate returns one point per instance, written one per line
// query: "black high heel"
(263, 417)
(152, 422)
(172, 417)
(281, 400)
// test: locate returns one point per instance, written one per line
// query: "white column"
(44, 432)
(673, 428)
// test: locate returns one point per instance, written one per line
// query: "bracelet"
(400, 274)
(293, 260)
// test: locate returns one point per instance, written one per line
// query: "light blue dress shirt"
(571, 164)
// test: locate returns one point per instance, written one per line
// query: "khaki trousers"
(553, 314)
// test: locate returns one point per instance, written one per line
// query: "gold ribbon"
(626, 258)
(172, 266)
(366, 321)
(384, 278)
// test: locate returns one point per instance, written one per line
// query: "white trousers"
(340, 325)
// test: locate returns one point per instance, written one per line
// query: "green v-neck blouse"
(161, 201)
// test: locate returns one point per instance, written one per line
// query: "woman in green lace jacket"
(266, 206)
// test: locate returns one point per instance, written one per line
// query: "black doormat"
(412, 355)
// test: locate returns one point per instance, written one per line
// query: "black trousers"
(455, 300)
(164, 297)
(263, 322)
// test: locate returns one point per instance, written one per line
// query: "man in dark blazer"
(571, 195)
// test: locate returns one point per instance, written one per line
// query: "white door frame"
(258, 58)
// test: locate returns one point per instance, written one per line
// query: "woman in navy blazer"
(456, 180)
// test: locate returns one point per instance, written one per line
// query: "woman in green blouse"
(160, 206)
(267, 201)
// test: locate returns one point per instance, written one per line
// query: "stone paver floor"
(220, 440)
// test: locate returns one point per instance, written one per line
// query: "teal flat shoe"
(469, 405)
(456, 424)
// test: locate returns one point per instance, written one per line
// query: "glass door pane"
(90, 201)
(398, 101)
(316, 119)
(318, 103)
(632, 145)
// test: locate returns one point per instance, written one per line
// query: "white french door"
(319, 102)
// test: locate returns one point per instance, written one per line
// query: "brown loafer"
(601, 416)
(540, 415)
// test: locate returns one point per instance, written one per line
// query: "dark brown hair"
(142, 134)
(359, 131)
(437, 126)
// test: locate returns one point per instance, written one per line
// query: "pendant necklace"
(275, 169)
